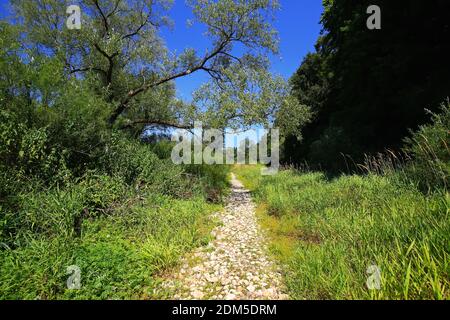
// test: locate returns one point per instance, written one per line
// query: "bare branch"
(231, 56)
(162, 123)
(201, 66)
(139, 28)
(115, 9)
(105, 19)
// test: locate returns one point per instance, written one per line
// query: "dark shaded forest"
(368, 88)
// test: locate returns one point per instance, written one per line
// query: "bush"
(119, 254)
(213, 179)
(60, 212)
(163, 149)
(139, 167)
(429, 148)
(28, 151)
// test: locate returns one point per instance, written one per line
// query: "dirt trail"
(234, 266)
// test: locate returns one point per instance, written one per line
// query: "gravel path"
(234, 266)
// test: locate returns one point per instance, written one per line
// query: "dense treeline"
(368, 88)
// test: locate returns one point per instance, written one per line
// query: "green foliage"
(27, 151)
(429, 147)
(249, 96)
(72, 191)
(341, 227)
(35, 271)
(130, 159)
(368, 88)
(213, 179)
(163, 149)
(112, 53)
(117, 227)
(292, 116)
(310, 82)
(75, 186)
(119, 254)
(246, 19)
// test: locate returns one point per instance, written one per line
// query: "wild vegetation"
(365, 189)
(82, 182)
(367, 88)
(122, 216)
(328, 232)
(86, 179)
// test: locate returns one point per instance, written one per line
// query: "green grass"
(124, 220)
(120, 255)
(327, 233)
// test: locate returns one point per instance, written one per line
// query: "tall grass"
(424, 160)
(120, 254)
(122, 223)
(339, 228)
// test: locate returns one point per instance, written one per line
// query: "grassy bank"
(121, 225)
(119, 255)
(328, 232)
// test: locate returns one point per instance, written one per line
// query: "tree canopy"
(120, 52)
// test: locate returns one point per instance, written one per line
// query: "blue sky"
(297, 23)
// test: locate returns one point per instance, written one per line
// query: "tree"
(119, 46)
(384, 79)
(368, 88)
(310, 86)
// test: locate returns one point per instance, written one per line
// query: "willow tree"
(120, 47)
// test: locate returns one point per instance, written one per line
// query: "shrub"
(140, 167)
(119, 254)
(163, 149)
(213, 179)
(28, 151)
(429, 148)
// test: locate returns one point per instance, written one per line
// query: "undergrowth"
(121, 220)
(328, 233)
